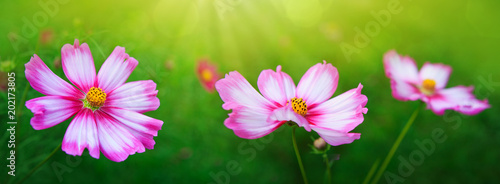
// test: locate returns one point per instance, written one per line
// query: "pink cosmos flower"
(108, 111)
(207, 74)
(308, 105)
(428, 84)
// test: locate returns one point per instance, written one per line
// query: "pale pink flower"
(428, 85)
(107, 111)
(308, 105)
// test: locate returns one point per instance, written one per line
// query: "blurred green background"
(250, 36)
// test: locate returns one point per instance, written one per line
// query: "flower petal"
(81, 134)
(318, 84)
(437, 72)
(403, 73)
(235, 91)
(116, 142)
(140, 126)
(286, 113)
(276, 86)
(51, 110)
(334, 137)
(472, 106)
(341, 113)
(401, 68)
(116, 69)
(459, 98)
(250, 123)
(139, 96)
(46, 82)
(78, 65)
(402, 90)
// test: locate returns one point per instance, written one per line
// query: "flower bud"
(320, 144)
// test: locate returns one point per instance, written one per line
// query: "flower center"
(428, 86)
(206, 75)
(299, 106)
(95, 98)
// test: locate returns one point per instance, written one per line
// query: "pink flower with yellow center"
(207, 74)
(428, 85)
(107, 111)
(308, 105)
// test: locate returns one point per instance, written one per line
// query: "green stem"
(396, 144)
(328, 172)
(371, 172)
(302, 171)
(40, 164)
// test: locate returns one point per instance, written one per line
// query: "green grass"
(252, 36)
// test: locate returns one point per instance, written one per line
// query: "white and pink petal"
(142, 127)
(116, 142)
(49, 111)
(115, 70)
(472, 106)
(235, 91)
(276, 86)
(402, 90)
(250, 123)
(46, 82)
(459, 98)
(78, 65)
(138, 96)
(341, 113)
(81, 134)
(286, 113)
(437, 72)
(400, 68)
(334, 137)
(318, 84)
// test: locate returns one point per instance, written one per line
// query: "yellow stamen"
(95, 97)
(299, 106)
(206, 75)
(428, 86)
